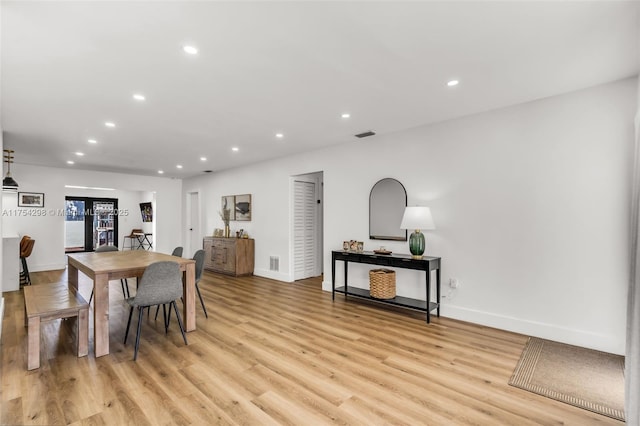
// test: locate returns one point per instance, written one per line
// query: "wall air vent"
(274, 263)
(365, 134)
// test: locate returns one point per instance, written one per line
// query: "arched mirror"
(387, 201)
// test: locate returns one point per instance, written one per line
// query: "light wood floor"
(273, 353)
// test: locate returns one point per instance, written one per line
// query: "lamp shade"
(9, 184)
(417, 218)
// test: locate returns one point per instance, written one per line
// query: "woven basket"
(382, 283)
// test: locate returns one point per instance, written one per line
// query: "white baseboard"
(274, 275)
(585, 339)
(49, 267)
(605, 343)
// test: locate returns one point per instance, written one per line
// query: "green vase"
(416, 244)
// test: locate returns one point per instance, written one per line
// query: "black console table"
(405, 261)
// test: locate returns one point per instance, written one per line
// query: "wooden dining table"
(106, 266)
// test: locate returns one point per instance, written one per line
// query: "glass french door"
(90, 223)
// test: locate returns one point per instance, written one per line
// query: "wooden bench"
(53, 301)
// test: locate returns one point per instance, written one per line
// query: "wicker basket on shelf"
(382, 283)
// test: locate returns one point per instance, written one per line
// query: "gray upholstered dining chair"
(123, 281)
(176, 252)
(199, 258)
(161, 284)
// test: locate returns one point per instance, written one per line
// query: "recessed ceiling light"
(138, 97)
(179, 166)
(160, 172)
(79, 154)
(191, 50)
(110, 124)
(71, 162)
(279, 135)
(203, 158)
(235, 149)
(92, 141)
(452, 83)
(345, 115)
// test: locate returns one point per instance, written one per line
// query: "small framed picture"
(30, 199)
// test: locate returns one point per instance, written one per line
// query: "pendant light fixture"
(9, 183)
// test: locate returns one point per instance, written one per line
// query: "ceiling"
(281, 67)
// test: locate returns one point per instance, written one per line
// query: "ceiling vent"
(365, 134)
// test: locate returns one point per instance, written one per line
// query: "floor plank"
(272, 353)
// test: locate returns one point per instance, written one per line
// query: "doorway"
(307, 225)
(90, 223)
(194, 241)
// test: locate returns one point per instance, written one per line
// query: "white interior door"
(194, 240)
(304, 232)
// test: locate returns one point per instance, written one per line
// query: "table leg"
(33, 343)
(101, 314)
(333, 279)
(428, 295)
(72, 277)
(346, 268)
(189, 296)
(438, 290)
(83, 332)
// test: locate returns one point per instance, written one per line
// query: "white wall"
(46, 225)
(530, 202)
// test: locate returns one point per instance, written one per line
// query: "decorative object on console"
(382, 250)
(417, 218)
(9, 183)
(353, 245)
(225, 215)
(382, 283)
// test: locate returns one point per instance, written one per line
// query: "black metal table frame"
(427, 264)
(142, 239)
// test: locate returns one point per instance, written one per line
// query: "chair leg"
(126, 333)
(158, 309)
(125, 285)
(175, 307)
(202, 301)
(25, 271)
(164, 315)
(140, 313)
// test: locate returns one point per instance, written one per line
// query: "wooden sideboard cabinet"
(232, 256)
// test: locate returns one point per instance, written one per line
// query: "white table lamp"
(417, 218)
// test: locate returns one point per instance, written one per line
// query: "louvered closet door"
(304, 245)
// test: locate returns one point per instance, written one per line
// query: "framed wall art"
(228, 203)
(243, 207)
(30, 199)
